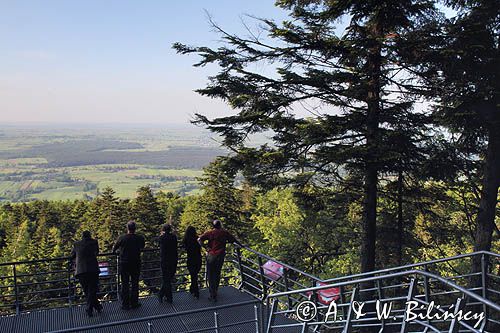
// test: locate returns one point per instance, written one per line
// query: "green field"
(124, 179)
(57, 163)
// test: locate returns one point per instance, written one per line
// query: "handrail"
(59, 287)
(423, 263)
(24, 262)
(393, 275)
(34, 261)
(385, 270)
(279, 262)
(488, 305)
(155, 317)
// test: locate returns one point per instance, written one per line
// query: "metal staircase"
(269, 300)
(443, 282)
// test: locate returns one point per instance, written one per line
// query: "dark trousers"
(167, 275)
(129, 274)
(194, 288)
(214, 268)
(90, 286)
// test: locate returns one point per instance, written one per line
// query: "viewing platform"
(259, 294)
(236, 311)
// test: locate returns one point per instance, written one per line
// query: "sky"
(111, 61)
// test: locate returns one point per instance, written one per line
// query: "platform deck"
(75, 317)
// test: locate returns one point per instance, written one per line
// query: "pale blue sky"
(110, 61)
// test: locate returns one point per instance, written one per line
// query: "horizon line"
(97, 123)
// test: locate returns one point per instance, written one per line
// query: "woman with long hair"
(193, 250)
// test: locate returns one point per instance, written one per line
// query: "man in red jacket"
(217, 239)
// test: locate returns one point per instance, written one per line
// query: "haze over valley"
(47, 161)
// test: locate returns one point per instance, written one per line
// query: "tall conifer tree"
(352, 84)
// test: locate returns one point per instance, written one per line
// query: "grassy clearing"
(46, 183)
(61, 193)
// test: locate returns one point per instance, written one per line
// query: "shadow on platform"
(203, 321)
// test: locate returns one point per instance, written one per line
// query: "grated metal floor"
(64, 318)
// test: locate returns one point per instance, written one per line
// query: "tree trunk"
(399, 249)
(485, 220)
(369, 227)
(369, 221)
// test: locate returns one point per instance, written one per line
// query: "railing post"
(238, 257)
(314, 299)
(484, 281)
(270, 321)
(350, 312)
(380, 293)
(262, 278)
(411, 294)
(427, 294)
(150, 327)
(304, 327)
(256, 314)
(459, 305)
(16, 289)
(117, 277)
(263, 312)
(342, 299)
(69, 283)
(287, 288)
(484, 275)
(216, 317)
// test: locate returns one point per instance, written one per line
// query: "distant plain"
(59, 162)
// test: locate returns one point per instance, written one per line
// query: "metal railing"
(50, 283)
(47, 283)
(295, 286)
(254, 279)
(412, 285)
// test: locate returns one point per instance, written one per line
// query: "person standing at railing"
(129, 247)
(216, 240)
(87, 270)
(168, 261)
(193, 251)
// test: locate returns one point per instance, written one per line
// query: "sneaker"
(99, 308)
(160, 298)
(89, 313)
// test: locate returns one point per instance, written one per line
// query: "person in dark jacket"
(216, 240)
(193, 251)
(129, 247)
(168, 261)
(87, 270)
